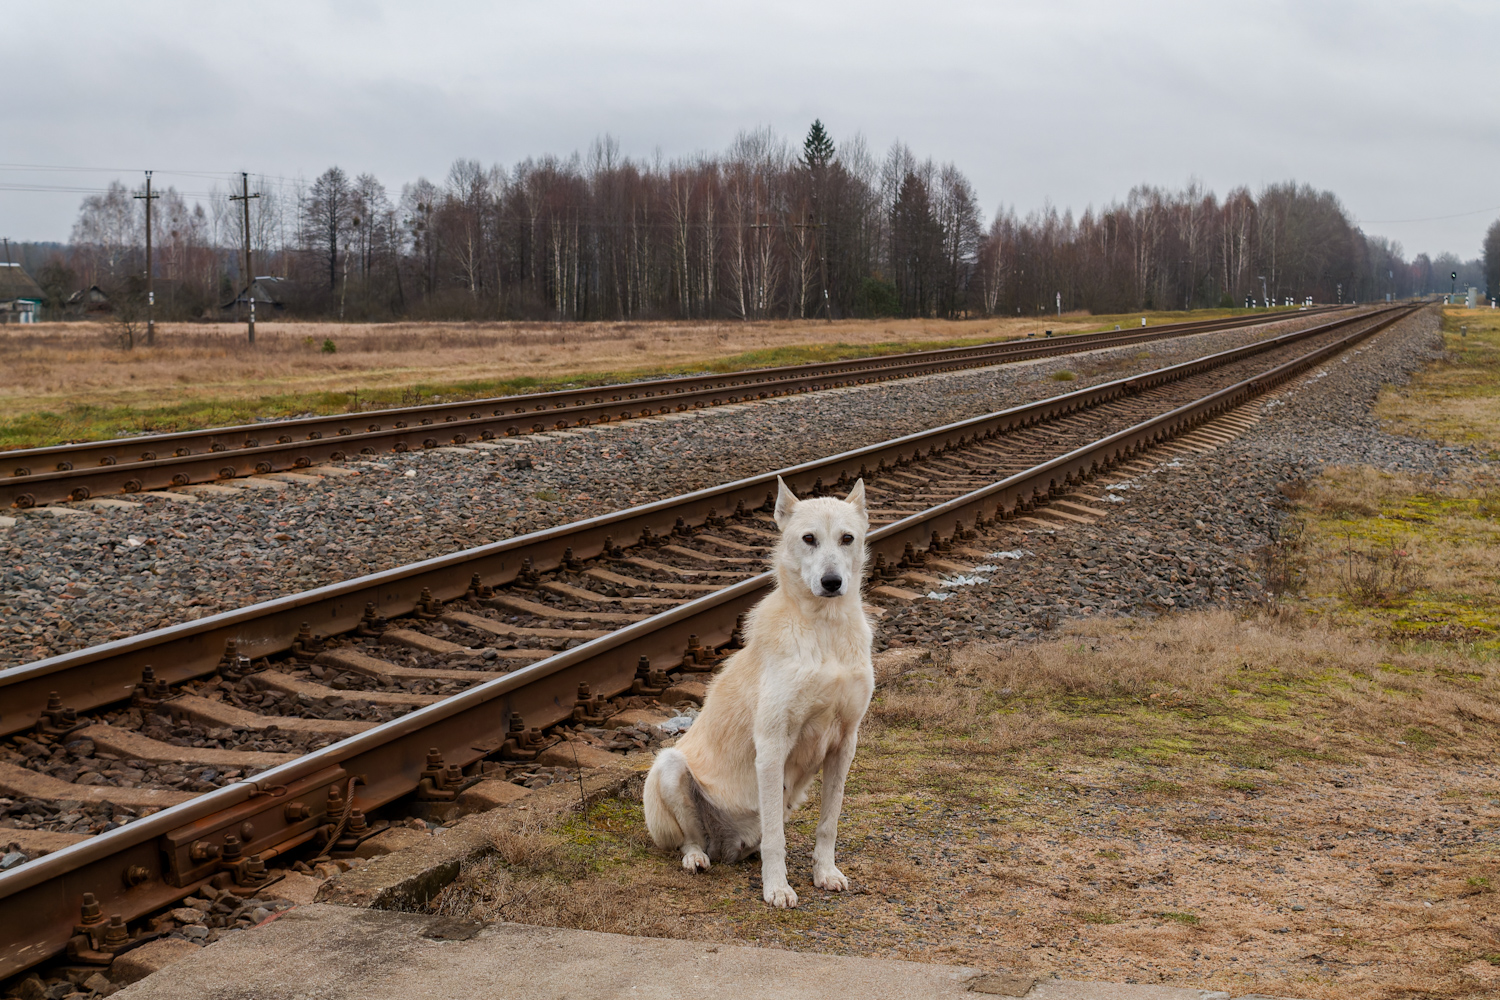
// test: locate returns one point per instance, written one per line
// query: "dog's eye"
(810, 539)
(848, 539)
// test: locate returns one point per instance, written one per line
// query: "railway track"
(223, 744)
(37, 476)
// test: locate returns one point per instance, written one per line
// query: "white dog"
(786, 706)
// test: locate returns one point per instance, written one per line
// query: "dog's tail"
(669, 775)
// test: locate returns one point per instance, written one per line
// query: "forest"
(768, 228)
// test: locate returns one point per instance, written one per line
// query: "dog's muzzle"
(831, 584)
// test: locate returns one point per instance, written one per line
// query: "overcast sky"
(1393, 106)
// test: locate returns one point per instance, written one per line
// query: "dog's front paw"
(781, 896)
(830, 878)
(695, 861)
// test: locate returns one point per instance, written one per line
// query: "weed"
(1063, 376)
(1191, 919)
(329, 347)
(1374, 576)
(1280, 561)
(547, 495)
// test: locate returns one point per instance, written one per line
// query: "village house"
(21, 298)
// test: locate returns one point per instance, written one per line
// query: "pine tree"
(817, 148)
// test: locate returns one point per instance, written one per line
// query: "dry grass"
(1253, 803)
(1204, 664)
(535, 874)
(1458, 400)
(1415, 555)
(71, 381)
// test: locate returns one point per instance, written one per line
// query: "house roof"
(268, 290)
(95, 293)
(15, 283)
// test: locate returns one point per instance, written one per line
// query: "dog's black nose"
(831, 583)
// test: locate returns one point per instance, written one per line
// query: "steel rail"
(153, 861)
(99, 675)
(162, 461)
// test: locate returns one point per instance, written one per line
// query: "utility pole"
(245, 197)
(825, 305)
(148, 197)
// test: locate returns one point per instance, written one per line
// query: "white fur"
(785, 707)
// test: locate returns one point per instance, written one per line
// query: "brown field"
(59, 360)
(74, 381)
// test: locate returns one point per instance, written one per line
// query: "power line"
(73, 189)
(1430, 218)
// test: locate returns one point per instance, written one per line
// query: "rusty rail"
(153, 861)
(163, 461)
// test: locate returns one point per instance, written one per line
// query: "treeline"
(763, 230)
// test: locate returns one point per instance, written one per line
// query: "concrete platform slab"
(335, 952)
(374, 955)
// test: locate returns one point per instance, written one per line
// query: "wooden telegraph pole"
(245, 197)
(148, 197)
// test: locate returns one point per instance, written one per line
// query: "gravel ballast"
(1188, 533)
(68, 581)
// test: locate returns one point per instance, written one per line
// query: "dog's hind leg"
(835, 770)
(672, 811)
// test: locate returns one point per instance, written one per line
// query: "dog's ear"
(857, 498)
(786, 502)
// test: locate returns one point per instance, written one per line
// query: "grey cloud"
(1071, 102)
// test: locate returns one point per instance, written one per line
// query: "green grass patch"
(1097, 917)
(1191, 919)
